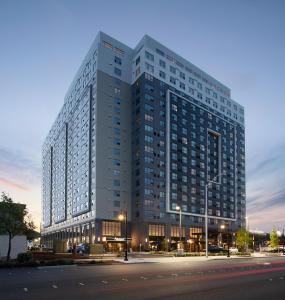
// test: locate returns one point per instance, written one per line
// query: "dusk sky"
(241, 43)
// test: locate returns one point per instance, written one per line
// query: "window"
(148, 138)
(158, 51)
(116, 182)
(162, 63)
(155, 230)
(182, 75)
(149, 68)
(172, 69)
(116, 162)
(162, 74)
(138, 60)
(116, 152)
(117, 72)
(191, 80)
(118, 60)
(175, 231)
(149, 56)
(111, 228)
(148, 170)
(148, 128)
(116, 193)
(116, 172)
(148, 107)
(148, 192)
(148, 149)
(148, 118)
(116, 203)
(172, 80)
(117, 101)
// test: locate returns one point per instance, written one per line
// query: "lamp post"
(178, 208)
(206, 210)
(283, 239)
(124, 216)
(223, 226)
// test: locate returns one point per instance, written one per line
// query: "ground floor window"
(156, 230)
(110, 228)
(175, 231)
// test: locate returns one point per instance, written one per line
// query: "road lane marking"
(125, 279)
(81, 283)
(54, 286)
(281, 278)
(270, 279)
(25, 290)
(104, 281)
(143, 278)
(28, 272)
(174, 275)
(9, 273)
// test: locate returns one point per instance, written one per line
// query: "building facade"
(143, 131)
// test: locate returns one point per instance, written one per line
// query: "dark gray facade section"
(203, 143)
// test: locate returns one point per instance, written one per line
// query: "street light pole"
(126, 237)
(228, 240)
(206, 220)
(180, 223)
(206, 211)
(283, 241)
(121, 218)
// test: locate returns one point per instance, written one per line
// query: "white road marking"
(54, 286)
(25, 290)
(81, 283)
(270, 279)
(267, 263)
(143, 278)
(104, 281)
(281, 278)
(9, 273)
(125, 279)
(29, 273)
(159, 276)
(174, 275)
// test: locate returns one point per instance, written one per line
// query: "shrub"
(24, 258)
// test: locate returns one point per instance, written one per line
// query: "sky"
(240, 43)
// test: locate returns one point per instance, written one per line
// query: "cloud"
(13, 185)
(265, 188)
(18, 170)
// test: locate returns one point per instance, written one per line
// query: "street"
(253, 278)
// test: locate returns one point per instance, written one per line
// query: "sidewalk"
(173, 259)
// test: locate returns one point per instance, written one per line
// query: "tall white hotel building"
(143, 131)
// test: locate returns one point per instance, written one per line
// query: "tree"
(14, 220)
(243, 238)
(274, 238)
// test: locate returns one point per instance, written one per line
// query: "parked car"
(276, 250)
(82, 248)
(215, 249)
(233, 250)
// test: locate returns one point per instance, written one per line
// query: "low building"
(18, 245)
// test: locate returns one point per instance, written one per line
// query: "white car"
(233, 250)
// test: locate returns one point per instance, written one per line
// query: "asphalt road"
(255, 278)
